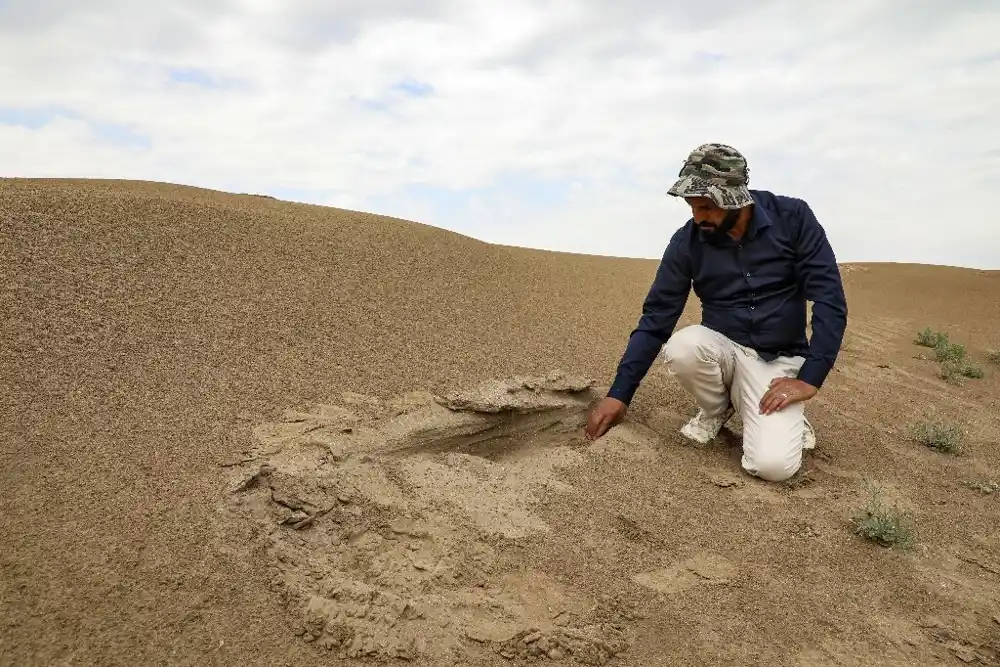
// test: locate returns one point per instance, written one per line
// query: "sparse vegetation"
(886, 525)
(993, 356)
(955, 371)
(945, 438)
(929, 338)
(989, 487)
(955, 366)
(946, 351)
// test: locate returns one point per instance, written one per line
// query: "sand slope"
(160, 344)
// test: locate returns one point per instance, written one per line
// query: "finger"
(604, 425)
(772, 401)
(772, 398)
(609, 420)
(779, 404)
(773, 386)
(767, 399)
(767, 405)
(785, 401)
(596, 427)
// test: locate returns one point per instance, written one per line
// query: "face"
(706, 214)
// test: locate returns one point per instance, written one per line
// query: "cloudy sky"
(554, 124)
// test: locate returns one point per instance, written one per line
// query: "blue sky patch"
(120, 135)
(413, 88)
(35, 118)
(460, 209)
(192, 75)
(32, 118)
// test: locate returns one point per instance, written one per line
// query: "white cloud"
(881, 115)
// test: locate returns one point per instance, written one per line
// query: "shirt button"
(748, 274)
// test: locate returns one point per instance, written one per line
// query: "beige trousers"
(716, 370)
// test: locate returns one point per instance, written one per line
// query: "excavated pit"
(384, 523)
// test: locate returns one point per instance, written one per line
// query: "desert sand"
(240, 431)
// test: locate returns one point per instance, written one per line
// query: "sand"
(244, 431)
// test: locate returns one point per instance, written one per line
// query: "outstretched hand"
(783, 392)
(604, 415)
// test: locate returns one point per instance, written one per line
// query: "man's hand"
(783, 392)
(604, 415)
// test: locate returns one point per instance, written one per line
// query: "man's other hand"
(783, 392)
(604, 415)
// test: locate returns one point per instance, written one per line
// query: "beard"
(718, 233)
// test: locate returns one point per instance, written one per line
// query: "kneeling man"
(754, 259)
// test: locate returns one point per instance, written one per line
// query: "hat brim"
(723, 196)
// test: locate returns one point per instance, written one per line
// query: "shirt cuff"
(814, 372)
(622, 392)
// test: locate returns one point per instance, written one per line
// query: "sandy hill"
(244, 431)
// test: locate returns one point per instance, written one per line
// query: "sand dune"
(244, 431)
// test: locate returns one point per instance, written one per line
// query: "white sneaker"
(809, 437)
(702, 429)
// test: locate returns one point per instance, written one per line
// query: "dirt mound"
(382, 524)
(155, 335)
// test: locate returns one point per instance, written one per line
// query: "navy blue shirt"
(753, 291)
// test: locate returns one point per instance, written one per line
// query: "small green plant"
(946, 351)
(945, 438)
(954, 371)
(949, 373)
(989, 487)
(955, 366)
(929, 338)
(886, 525)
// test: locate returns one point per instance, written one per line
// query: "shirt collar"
(761, 218)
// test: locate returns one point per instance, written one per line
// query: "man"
(753, 258)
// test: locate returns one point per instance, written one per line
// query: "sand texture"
(240, 431)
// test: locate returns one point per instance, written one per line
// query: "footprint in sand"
(703, 569)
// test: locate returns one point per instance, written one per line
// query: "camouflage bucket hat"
(716, 171)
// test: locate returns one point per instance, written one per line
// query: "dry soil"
(239, 431)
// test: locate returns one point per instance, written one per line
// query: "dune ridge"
(150, 330)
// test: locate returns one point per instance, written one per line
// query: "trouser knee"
(686, 350)
(775, 471)
(773, 467)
